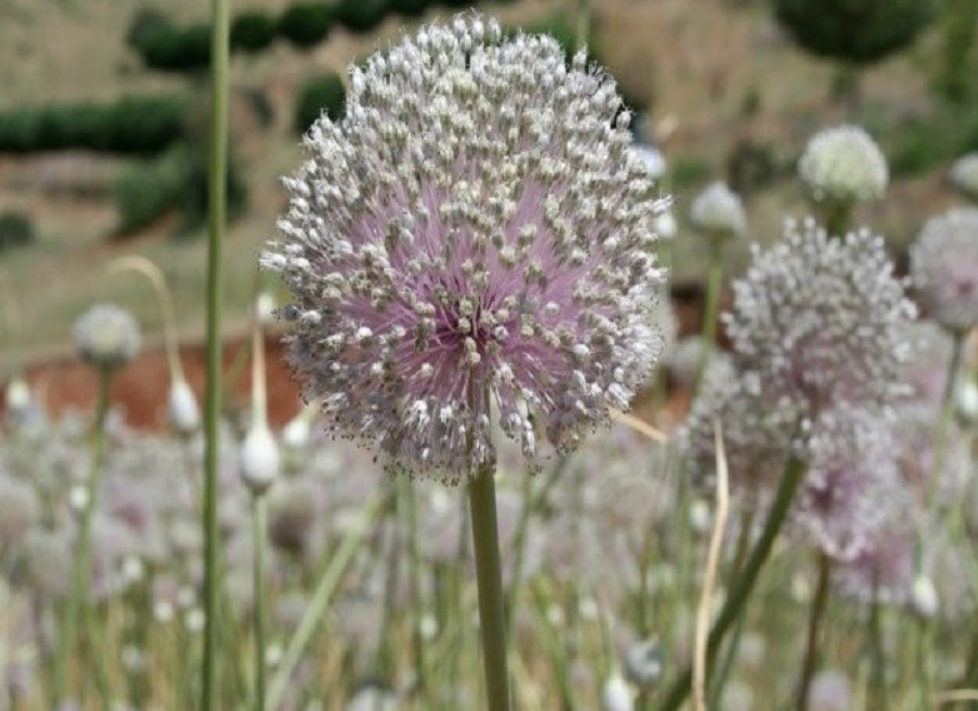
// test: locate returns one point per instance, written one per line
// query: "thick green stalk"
(744, 584)
(488, 569)
(260, 530)
(217, 218)
(814, 629)
(78, 600)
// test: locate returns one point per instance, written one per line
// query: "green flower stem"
(532, 498)
(744, 584)
(711, 307)
(78, 599)
(327, 585)
(944, 423)
(260, 530)
(414, 580)
(485, 537)
(836, 216)
(217, 219)
(814, 629)
(877, 655)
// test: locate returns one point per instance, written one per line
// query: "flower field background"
(787, 517)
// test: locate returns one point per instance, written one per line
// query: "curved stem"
(814, 629)
(217, 219)
(164, 298)
(485, 537)
(744, 583)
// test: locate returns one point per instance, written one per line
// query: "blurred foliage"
(16, 230)
(318, 95)
(958, 65)
(751, 166)
(855, 31)
(129, 125)
(361, 16)
(175, 181)
(253, 31)
(932, 141)
(306, 24)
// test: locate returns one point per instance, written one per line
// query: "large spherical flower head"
(757, 424)
(107, 336)
(476, 230)
(718, 212)
(852, 476)
(944, 268)
(964, 175)
(843, 164)
(823, 321)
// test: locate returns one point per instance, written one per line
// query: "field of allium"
(639, 388)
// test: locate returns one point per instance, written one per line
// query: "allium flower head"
(851, 478)
(823, 321)
(944, 268)
(964, 175)
(843, 164)
(107, 336)
(718, 212)
(476, 230)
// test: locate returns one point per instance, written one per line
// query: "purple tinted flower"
(852, 475)
(476, 232)
(944, 267)
(823, 321)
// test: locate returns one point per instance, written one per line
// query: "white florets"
(843, 164)
(718, 212)
(107, 336)
(944, 268)
(964, 175)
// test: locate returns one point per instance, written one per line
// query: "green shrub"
(411, 8)
(129, 125)
(251, 32)
(166, 48)
(145, 192)
(317, 95)
(933, 141)
(306, 24)
(361, 16)
(176, 181)
(16, 230)
(144, 22)
(854, 31)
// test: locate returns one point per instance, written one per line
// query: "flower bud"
(615, 694)
(923, 597)
(259, 459)
(182, 408)
(643, 664)
(107, 336)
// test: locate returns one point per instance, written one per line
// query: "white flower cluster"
(843, 164)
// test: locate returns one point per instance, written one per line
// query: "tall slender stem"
(744, 583)
(259, 529)
(485, 537)
(217, 218)
(78, 600)
(814, 629)
(877, 672)
(714, 283)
